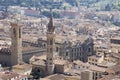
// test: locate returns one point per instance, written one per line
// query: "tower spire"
(50, 24)
(50, 47)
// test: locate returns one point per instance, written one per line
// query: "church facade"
(77, 50)
(49, 63)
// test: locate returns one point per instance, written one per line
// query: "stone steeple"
(50, 26)
(50, 47)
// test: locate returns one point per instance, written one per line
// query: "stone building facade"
(16, 47)
(73, 50)
(77, 50)
(50, 62)
(115, 44)
(50, 47)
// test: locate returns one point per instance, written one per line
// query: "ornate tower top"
(15, 24)
(16, 21)
(50, 26)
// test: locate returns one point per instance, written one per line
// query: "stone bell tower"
(16, 39)
(50, 46)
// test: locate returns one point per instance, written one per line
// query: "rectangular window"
(51, 41)
(57, 49)
(89, 49)
(19, 33)
(66, 53)
(50, 63)
(14, 32)
(50, 50)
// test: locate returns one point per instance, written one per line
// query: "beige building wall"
(23, 69)
(96, 75)
(59, 68)
(86, 75)
(94, 60)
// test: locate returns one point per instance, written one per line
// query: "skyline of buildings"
(81, 45)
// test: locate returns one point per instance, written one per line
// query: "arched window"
(89, 49)
(19, 33)
(66, 53)
(50, 50)
(50, 59)
(57, 49)
(14, 32)
(50, 63)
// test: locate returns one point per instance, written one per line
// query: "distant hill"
(111, 4)
(104, 4)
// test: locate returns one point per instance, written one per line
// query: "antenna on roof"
(51, 12)
(51, 6)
